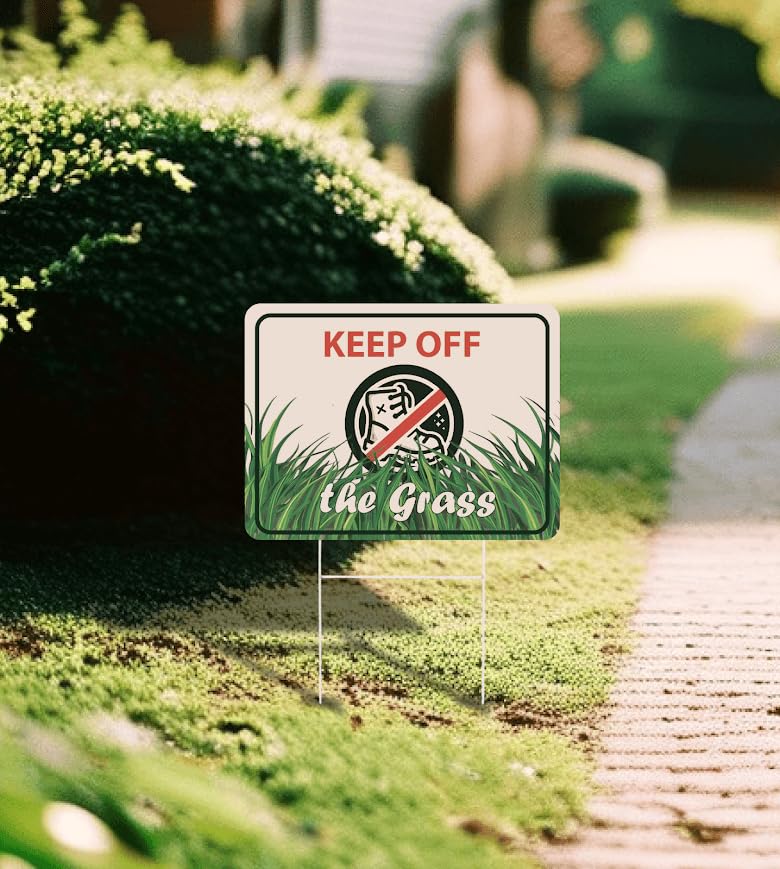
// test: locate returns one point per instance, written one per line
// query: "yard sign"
(402, 421)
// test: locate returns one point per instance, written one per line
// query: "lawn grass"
(209, 647)
(628, 390)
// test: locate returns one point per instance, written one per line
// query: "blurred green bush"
(611, 205)
(125, 61)
(758, 20)
(138, 223)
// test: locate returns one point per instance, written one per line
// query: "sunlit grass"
(211, 645)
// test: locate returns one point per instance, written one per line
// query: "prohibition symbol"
(401, 413)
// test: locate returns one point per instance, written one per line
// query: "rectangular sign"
(402, 421)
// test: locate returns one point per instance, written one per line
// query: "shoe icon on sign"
(402, 412)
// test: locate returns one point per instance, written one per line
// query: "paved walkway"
(705, 248)
(690, 769)
(690, 764)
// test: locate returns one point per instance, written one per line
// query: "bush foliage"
(196, 198)
(126, 61)
(184, 216)
(759, 20)
(139, 222)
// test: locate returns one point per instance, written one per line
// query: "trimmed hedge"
(177, 218)
(133, 236)
(587, 208)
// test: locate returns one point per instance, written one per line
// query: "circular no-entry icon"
(402, 412)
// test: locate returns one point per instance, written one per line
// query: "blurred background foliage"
(759, 20)
(124, 60)
(679, 83)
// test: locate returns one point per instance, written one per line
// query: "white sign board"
(390, 421)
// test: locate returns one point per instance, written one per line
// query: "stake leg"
(484, 617)
(319, 619)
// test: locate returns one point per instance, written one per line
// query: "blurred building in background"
(451, 101)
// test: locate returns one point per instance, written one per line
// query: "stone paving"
(689, 773)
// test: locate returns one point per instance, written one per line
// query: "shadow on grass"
(123, 576)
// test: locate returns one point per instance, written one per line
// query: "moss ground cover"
(207, 645)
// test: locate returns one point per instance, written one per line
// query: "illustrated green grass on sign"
(421, 499)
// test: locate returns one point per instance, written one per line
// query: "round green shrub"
(179, 217)
(587, 208)
(135, 233)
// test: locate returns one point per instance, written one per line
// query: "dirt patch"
(25, 640)
(614, 651)
(705, 834)
(583, 731)
(475, 827)
(359, 692)
(129, 651)
(424, 718)
(232, 690)
(354, 688)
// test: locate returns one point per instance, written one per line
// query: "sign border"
(318, 533)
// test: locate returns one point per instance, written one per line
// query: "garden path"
(689, 773)
(704, 248)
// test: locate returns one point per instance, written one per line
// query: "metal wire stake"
(484, 616)
(482, 578)
(319, 619)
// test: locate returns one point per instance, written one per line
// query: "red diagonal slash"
(434, 401)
